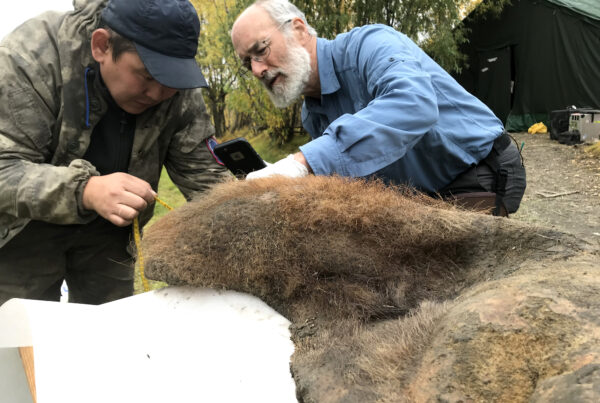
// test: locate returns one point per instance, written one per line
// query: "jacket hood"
(76, 31)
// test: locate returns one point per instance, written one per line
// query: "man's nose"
(259, 68)
(158, 92)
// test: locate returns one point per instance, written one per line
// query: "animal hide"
(393, 296)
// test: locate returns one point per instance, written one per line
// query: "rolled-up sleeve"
(402, 109)
(31, 187)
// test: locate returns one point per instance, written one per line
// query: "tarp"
(535, 58)
(590, 8)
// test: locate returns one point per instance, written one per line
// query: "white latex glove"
(285, 167)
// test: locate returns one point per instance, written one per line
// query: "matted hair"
(281, 11)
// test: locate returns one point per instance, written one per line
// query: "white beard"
(295, 77)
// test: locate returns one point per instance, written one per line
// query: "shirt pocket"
(30, 117)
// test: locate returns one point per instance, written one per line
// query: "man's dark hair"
(118, 42)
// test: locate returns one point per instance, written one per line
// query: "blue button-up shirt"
(387, 109)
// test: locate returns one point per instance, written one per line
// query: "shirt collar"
(327, 77)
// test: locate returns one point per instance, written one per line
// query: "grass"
(269, 150)
(168, 192)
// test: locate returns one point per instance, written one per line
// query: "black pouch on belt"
(500, 173)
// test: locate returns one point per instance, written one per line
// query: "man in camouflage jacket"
(84, 136)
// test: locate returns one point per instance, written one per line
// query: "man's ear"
(100, 45)
(300, 30)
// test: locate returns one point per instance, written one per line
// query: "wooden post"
(26, 354)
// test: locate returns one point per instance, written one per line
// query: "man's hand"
(293, 166)
(118, 197)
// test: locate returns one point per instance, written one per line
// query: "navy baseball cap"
(165, 34)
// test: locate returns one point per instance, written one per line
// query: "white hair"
(281, 11)
(296, 74)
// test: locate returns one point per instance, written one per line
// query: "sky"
(13, 13)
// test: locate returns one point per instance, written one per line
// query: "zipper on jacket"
(120, 141)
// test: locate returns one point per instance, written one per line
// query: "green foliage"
(216, 56)
(432, 24)
(491, 8)
(270, 151)
(329, 18)
(168, 193)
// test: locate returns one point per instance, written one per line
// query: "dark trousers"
(481, 178)
(92, 258)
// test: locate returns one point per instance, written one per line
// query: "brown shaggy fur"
(354, 265)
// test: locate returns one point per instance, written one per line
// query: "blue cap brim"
(172, 72)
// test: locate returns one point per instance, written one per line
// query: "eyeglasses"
(262, 50)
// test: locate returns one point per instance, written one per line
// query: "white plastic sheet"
(177, 344)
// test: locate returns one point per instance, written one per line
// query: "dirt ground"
(563, 187)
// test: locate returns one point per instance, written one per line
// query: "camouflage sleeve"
(29, 106)
(190, 162)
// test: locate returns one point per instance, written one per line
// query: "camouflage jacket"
(48, 110)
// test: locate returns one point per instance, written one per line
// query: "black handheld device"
(239, 156)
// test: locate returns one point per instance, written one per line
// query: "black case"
(239, 156)
(559, 122)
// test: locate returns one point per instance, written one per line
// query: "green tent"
(538, 56)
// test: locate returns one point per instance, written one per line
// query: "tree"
(216, 56)
(432, 24)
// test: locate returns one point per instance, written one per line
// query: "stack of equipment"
(575, 125)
